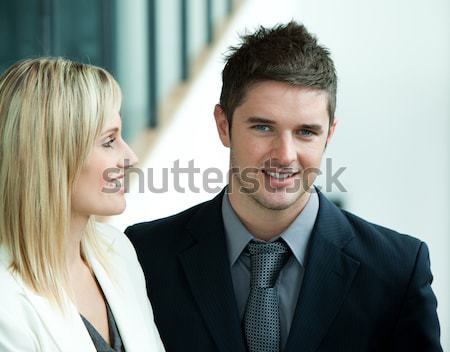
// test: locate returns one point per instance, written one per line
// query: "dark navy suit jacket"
(366, 288)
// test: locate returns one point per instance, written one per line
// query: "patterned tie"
(262, 317)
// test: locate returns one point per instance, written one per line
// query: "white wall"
(393, 62)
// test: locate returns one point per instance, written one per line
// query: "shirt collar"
(296, 235)
(237, 236)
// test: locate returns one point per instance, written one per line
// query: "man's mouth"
(280, 179)
(280, 175)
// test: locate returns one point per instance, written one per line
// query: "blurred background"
(393, 62)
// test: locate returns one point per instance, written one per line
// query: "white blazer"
(29, 323)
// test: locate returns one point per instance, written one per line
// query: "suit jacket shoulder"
(381, 247)
(169, 234)
(140, 231)
(392, 282)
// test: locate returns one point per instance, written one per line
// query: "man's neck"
(261, 222)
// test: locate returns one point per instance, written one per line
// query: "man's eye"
(261, 128)
(305, 133)
(109, 143)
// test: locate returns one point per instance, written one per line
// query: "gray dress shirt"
(291, 276)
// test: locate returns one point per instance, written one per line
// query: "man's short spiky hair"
(286, 53)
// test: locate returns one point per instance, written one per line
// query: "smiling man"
(279, 133)
(270, 264)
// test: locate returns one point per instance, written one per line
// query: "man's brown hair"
(286, 53)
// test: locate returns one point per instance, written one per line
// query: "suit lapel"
(328, 277)
(206, 267)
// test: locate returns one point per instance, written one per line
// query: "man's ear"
(222, 125)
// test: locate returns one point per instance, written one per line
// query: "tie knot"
(266, 261)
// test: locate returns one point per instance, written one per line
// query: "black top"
(100, 344)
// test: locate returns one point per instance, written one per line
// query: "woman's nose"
(129, 157)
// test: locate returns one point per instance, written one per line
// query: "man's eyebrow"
(312, 127)
(111, 130)
(256, 119)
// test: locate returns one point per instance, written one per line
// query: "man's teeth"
(278, 175)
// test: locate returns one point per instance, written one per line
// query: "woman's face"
(99, 190)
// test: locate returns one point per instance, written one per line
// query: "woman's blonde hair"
(51, 112)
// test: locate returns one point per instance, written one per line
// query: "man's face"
(278, 136)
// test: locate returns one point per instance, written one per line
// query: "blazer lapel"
(121, 301)
(329, 274)
(67, 331)
(206, 267)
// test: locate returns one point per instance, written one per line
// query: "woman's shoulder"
(9, 282)
(18, 319)
(111, 235)
(15, 307)
(115, 239)
(108, 231)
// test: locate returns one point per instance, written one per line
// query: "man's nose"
(284, 150)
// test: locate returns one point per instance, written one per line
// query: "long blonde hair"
(51, 112)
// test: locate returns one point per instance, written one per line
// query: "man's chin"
(278, 201)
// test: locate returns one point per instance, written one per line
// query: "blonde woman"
(67, 283)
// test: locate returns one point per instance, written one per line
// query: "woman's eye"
(109, 143)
